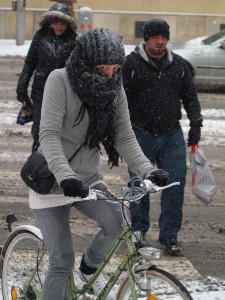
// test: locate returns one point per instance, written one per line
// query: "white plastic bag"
(203, 183)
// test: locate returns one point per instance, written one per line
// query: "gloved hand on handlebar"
(73, 187)
(159, 177)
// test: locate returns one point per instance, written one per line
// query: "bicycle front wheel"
(23, 264)
(161, 286)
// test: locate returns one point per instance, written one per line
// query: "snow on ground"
(9, 48)
(213, 132)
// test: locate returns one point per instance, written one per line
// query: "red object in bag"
(193, 150)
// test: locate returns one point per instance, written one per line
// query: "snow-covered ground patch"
(213, 133)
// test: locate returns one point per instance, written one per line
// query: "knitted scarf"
(98, 95)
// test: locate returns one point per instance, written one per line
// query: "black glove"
(194, 135)
(73, 187)
(159, 177)
(23, 98)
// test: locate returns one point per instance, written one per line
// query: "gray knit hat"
(156, 27)
(101, 46)
(61, 11)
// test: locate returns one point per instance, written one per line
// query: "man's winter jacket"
(155, 95)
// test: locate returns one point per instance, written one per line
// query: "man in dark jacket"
(156, 82)
(50, 48)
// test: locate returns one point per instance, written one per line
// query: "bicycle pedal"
(90, 291)
(89, 297)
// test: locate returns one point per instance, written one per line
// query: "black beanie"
(156, 27)
(101, 46)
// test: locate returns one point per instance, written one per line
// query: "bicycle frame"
(73, 292)
(125, 236)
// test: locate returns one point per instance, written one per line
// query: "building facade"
(187, 19)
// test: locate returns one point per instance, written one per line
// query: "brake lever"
(153, 188)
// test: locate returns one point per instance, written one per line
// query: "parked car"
(205, 57)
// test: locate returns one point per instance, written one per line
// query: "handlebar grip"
(91, 196)
(148, 184)
(151, 187)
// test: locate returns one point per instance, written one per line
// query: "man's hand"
(159, 177)
(73, 187)
(194, 135)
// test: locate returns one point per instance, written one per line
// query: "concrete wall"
(187, 19)
(183, 26)
(177, 6)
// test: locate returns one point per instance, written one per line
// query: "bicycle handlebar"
(153, 188)
(132, 193)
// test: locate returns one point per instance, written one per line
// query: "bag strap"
(75, 153)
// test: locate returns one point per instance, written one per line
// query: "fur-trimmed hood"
(61, 11)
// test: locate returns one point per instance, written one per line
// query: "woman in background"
(50, 48)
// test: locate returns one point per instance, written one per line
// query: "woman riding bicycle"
(85, 105)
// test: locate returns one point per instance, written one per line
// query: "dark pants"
(167, 152)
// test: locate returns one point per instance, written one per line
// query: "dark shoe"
(139, 239)
(170, 244)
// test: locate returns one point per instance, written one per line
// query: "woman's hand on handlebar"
(73, 187)
(159, 177)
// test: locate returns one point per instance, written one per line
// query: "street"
(202, 236)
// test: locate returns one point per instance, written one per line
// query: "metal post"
(85, 19)
(214, 27)
(20, 22)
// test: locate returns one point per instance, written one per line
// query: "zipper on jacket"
(160, 74)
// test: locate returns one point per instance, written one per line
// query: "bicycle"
(142, 280)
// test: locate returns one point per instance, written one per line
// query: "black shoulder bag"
(36, 174)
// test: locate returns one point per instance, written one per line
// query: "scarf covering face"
(96, 91)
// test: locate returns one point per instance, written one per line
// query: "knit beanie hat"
(156, 27)
(101, 46)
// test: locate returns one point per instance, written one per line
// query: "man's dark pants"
(167, 152)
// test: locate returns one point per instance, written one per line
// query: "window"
(139, 29)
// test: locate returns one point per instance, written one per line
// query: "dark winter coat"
(155, 95)
(47, 53)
